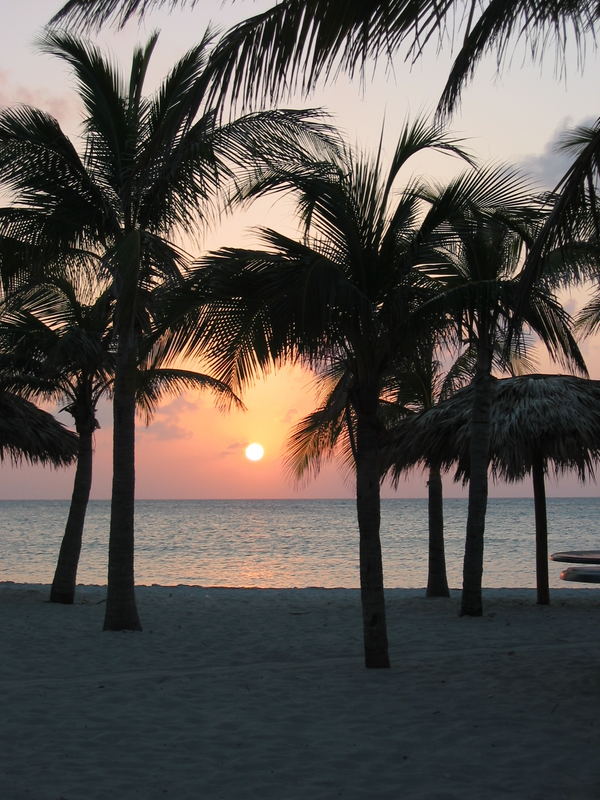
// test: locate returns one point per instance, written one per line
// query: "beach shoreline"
(249, 693)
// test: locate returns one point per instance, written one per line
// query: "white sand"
(241, 693)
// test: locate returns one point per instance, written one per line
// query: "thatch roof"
(555, 417)
(30, 434)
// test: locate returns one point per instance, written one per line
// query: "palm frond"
(294, 44)
(42, 169)
(502, 22)
(588, 318)
(297, 43)
(155, 383)
(574, 214)
(87, 13)
(103, 92)
(323, 434)
(262, 306)
(548, 319)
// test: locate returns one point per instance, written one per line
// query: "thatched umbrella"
(536, 421)
(27, 432)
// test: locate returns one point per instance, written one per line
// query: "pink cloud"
(63, 107)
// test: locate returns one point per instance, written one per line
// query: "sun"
(254, 451)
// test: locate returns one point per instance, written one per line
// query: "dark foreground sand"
(245, 693)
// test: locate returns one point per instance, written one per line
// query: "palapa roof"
(27, 432)
(555, 417)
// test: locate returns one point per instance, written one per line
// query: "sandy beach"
(231, 694)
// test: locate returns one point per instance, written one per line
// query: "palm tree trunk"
(65, 575)
(471, 603)
(368, 507)
(121, 609)
(437, 581)
(541, 532)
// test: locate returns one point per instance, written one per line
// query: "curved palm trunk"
(368, 508)
(437, 581)
(121, 610)
(65, 575)
(471, 603)
(541, 532)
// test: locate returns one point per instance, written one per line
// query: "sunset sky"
(192, 450)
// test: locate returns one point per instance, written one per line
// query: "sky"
(192, 450)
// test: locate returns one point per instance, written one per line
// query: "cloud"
(549, 166)
(232, 449)
(167, 423)
(167, 431)
(290, 416)
(62, 107)
(179, 405)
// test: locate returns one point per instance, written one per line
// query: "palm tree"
(415, 384)
(482, 279)
(338, 300)
(58, 342)
(151, 167)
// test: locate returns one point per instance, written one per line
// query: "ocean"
(288, 543)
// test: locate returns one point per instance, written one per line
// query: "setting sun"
(254, 451)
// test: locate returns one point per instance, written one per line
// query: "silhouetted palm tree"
(424, 383)
(152, 166)
(338, 299)
(61, 348)
(482, 280)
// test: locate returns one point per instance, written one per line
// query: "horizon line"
(274, 499)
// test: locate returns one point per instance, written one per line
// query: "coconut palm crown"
(337, 299)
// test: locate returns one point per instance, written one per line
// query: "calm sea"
(288, 543)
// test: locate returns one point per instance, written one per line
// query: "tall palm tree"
(337, 299)
(423, 384)
(482, 280)
(57, 342)
(152, 166)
